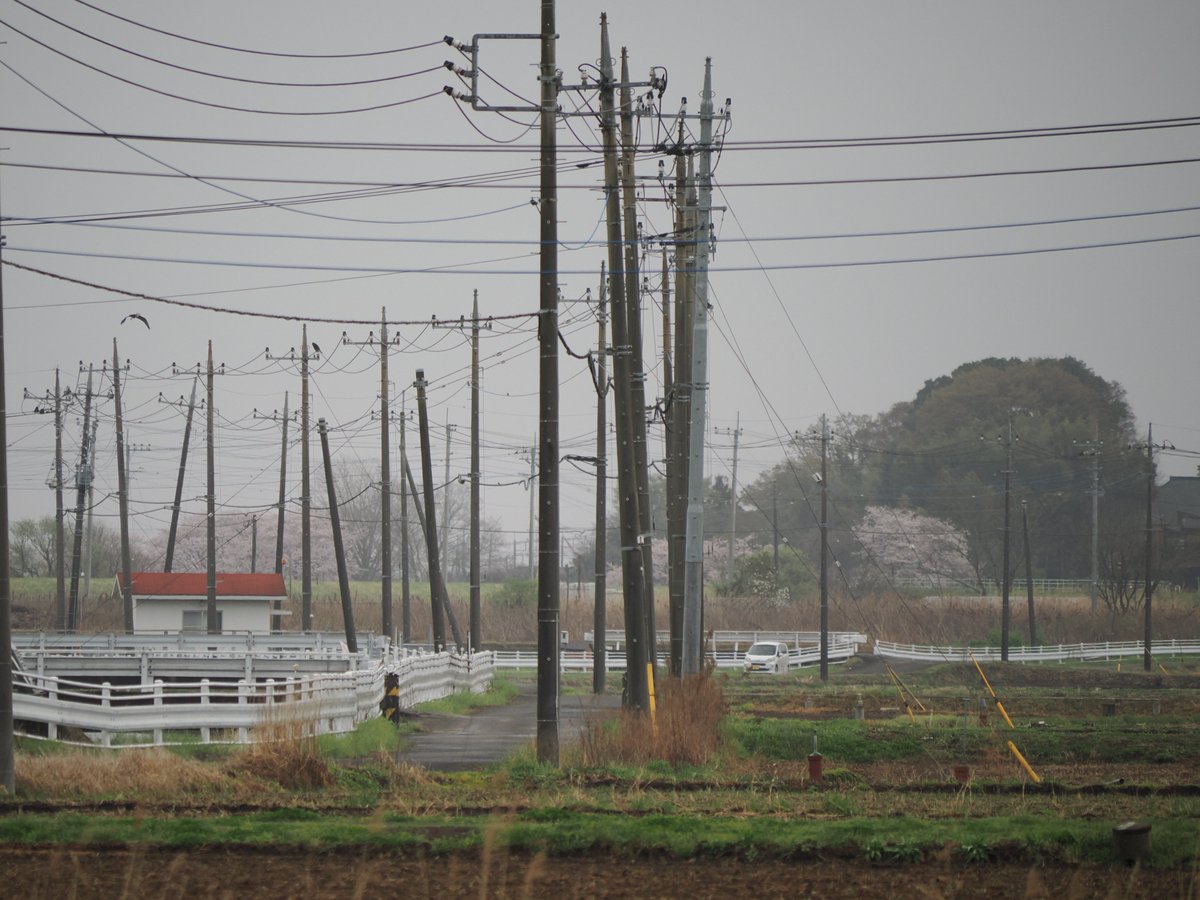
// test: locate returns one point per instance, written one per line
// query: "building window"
(196, 622)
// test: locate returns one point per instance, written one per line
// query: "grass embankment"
(888, 795)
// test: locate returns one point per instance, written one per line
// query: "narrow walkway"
(450, 743)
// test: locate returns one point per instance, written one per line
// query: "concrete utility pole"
(429, 525)
(824, 550)
(405, 590)
(385, 479)
(474, 624)
(1147, 654)
(7, 764)
(214, 626)
(637, 694)
(123, 496)
(279, 522)
(306, 614)
(60, 545)
(693, 585)
(1028, 574)
(178, 502)
(600, 592)
(443, 597)
(1093, 448)
(445, 531)
(339, 549)
(680, 406)
(1006, 576)
(83, 479)
(736, 431)
(532, 503)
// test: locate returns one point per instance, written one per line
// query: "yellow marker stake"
(1000, 706)
(987, 684)
(1024, 764)
(1164, 670)
(650, 681)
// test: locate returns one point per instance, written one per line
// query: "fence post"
(205, 731)
(106, 702)
(243, 691)
(158, 702)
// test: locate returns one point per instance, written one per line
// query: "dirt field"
(230, 872)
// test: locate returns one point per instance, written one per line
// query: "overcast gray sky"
(827, 313)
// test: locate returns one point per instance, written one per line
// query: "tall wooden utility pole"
(600, 594)
(824, 550)
(736, 431)
(385, 478)
(1147, 654)
(123, 499)
(1006, 576)
(1028, 574)
(405, 592)
(443, 597)
(7, 761)
(680, 407)
(175, 506)
(83, 478)
(214, 626)
(339, 549)
(306, 614)
(548, 600)
(445, 529)
(633, 310)
(693, 584)
(430, 525)
(475, 629)
(637, 694)
(279, 521)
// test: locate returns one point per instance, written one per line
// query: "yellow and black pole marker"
(390, 704)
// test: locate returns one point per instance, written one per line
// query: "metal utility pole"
(548, 519)
(60, 544)
(824, 550)
(83, 478)
(175, 506)
(385, 479)
(693, 585)
(633, 310)
(214, 626)
(282, 490)
(680, 407)
(430, 527)
(253, 544)
(1006, 577)
(1149, 589)
(339, 550)
(637, 694)
(600, 592)
(1028, 574)
(474, 624)
(7, 764)
(405, 591)
(123, 497)
(306, 614)
(1092, 448)
(736, 431)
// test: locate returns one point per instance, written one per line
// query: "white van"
(770, 657)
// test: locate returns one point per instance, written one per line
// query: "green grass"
(370, 737)
(502, 692)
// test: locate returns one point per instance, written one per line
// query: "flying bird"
(137, 316)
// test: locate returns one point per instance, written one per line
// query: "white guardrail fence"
(1051, 653)
(228, 710)
(614, 660)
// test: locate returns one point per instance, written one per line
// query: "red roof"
(195, 584)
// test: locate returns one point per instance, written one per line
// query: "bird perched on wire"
(316, 348)
(137, 316)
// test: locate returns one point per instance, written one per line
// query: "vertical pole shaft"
(693, 585)
(548, 510)
(680, 408)
(775, 524)
(1005, 575)
(60, 546)
(405, 586)
(91, 511)
(339, 549)
(7, 761)
(1095, 531)
(733, 501)
(1028, 574)
(214, 626)
(385, 481)
(824, 549)
(1149, 582)
(532, 506)
(82, 480)
(122, 499)
(637, 693)
(475, 629)
(279, 521)
(431, 541)
(173, 531)
(306, 612)
(253, 544)
(445, 530)
(600, 592)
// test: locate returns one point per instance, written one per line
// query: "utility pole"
(1149, 588)
(7, 764)
(83, 479)
(824, 549)
(600, 592)
(677, 461)
(339, 550)
(1006, 577)
(1028, 574)
(282, 489)
(532, 502)
(475, 629)
(175, 506)
(430, 527)
(1092, 448)
(253, 544)
(736, 431)
(91, 509)
(445, 541)
(214, 626)
(385, 478)
(405, 591)
(637, 694)
(55, 481)
(123, 499)
(306, 614)
(443, 597)
(775, 522)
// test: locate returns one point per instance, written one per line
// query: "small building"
(178, 601)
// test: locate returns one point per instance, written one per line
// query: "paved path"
(452, 743)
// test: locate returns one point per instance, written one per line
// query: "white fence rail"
(227, 711)
(583, 661)
(1102, 650)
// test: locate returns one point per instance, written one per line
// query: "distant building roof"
(195, 584)
(1177, 503)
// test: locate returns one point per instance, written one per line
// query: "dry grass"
(145, 774)
(284, 749)
(685, 730)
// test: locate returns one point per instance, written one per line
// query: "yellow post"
(1025, 765)
(650, 682)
